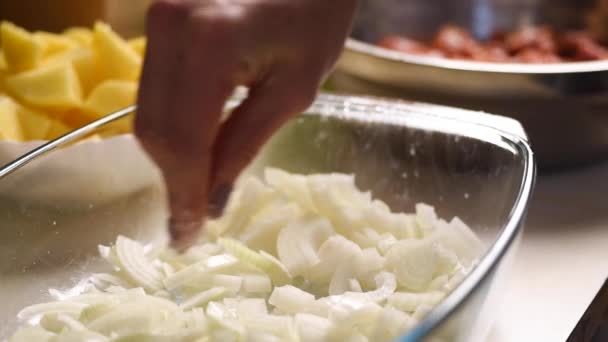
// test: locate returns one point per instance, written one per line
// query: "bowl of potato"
(52, 83)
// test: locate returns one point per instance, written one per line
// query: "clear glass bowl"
(472, 165)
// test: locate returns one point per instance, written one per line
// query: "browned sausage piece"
(537, 56)
(406, 45)
(455, 42)
(579, 46)
(540, 38)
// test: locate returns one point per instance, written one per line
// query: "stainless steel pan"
(563, 107)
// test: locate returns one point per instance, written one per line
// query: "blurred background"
(126, 17)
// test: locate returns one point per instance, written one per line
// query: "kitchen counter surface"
(563, 258)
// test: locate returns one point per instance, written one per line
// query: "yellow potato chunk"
(19, 123)
(52, 86)
(119, 60)
(3, 64)
(10, 126)
(57, 129)
(81, 35)
(76, 118)
(138, 45)
(22, 50)
(3, 71)
(35, 125)
(122, 126)
(55, 43)
(110, 96)
(85, 63)
(46, 77)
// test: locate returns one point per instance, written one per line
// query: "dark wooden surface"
(593, 326)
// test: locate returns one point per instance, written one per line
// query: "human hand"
(198, 52)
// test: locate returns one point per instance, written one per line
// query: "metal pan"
(563, 107)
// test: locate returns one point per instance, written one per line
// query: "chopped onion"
(410, 301)
(297, 244)
(294, 187)
(57, 322)
(332, 253)
(256, 283)
(134, 263)
(290, 299)
(414, 263)
(313, 327)
(200, 299)
(37, 310)
(298, 258)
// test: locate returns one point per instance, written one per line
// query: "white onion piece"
(426, 218)
(394, 322)
(254, 195)
(135, 264)
(261, 261)
(313, 327)
(294, 187)
(414, 263)
(290, 299)
(297, 244)
(251, 307)
(332, 253)
(256, 283)
(459, 238)
(261, 234)
(410, 301)
(200, 299)
(53, 307)
(57, 322)
(78, 336)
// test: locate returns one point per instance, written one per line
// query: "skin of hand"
(198, 52)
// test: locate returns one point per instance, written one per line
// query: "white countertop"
(563, 258)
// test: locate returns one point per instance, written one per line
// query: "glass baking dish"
(472, 165)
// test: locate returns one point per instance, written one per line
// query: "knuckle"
(216, 20)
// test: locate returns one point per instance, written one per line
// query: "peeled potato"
(51, 86)
(58, 82)
(120, 61)
(10, 127)
(3, 71)
(138, 45)
(3, 64)
(81, 35)
(57, 129)
(55, 43)
(75, 118)
(110, 96)
(22, 50)
(35, 125)
(85, 63)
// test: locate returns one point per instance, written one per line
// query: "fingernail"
(218, 199)
(183, 234)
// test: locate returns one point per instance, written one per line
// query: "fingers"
(204, 81)
(184, 88)
(198, 51)
(164, 23)
(267, 108)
